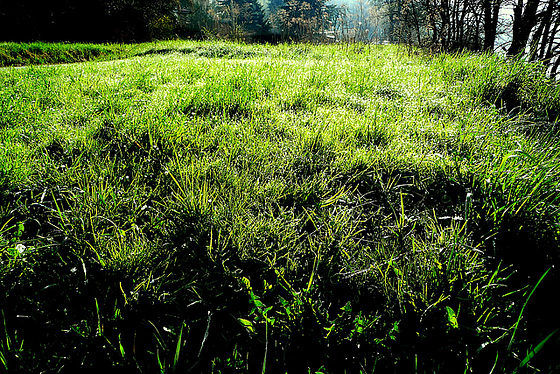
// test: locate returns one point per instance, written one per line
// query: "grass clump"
(515, 86)
(281, 209)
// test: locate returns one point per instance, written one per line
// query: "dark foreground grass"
(222, 207)
(38, 53)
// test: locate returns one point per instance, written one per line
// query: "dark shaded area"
(75, 20)
(92, 317)
(211, 51)
(18, 54)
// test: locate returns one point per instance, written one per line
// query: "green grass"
(41, 53)
(18, 54)
(294, 208)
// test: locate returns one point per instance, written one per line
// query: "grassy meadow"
(221, 207)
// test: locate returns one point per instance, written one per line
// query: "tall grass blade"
(536, 350)
(516, 325)
(178, 347)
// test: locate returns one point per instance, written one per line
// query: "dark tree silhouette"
(524, 19)
(491, 10)
(243, 18)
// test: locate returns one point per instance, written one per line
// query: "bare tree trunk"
(455, 30)
(491, 13)
(552, 46)
(462, 27)
(524, 19)
(445, 23)
(416, 23)
(555, 64)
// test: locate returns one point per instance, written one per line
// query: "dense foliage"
(243, 17)
(76, 20)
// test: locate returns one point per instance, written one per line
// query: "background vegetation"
(38, 53)
(212, 207)
(522, 27)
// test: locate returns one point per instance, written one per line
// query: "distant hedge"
(16, 54)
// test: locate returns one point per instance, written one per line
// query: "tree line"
(142, 20)
(515, 27)
(527, 27)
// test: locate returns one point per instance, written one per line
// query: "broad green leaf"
(247, 324)
(452, 318)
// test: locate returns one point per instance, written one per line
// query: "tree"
(524, 20)
(303, 19)
(273, 7)
(447, 25)
(195, 17)
(535, 32)
(243, 18)
(444, 25)
(491, 9)
(357, 22)
(140, 19)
